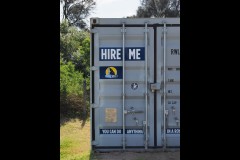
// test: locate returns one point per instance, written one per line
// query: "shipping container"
(135, 83)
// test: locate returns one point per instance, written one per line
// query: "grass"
(75, 140)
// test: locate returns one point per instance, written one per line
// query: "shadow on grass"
(64, 118)
(73, 106)
(91, 157)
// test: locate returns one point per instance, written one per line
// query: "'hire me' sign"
(115, 54)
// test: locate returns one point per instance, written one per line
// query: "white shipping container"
(135, 83)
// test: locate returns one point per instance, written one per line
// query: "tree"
(71, 40)
(74, 70)
(81, 58)
(76, 11)
(70, 80)
(75, 47)
(159, 8)
(71, 91)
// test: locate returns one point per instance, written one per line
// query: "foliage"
(74, 70)
(158, 8)
(71, 90)
(81, 57)
(75, 47)
(70, 41)
(70, 79)
(76, 11)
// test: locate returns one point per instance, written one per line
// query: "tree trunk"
(84, 99)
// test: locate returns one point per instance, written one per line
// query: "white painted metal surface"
(135, 83)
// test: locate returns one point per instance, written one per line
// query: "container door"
(171, 86)
(112, 76)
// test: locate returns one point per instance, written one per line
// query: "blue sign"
(120, 131)
(111, 72)
(111, 131)
(110, 54)
(135, 54)
(173, 131)
(115, 54)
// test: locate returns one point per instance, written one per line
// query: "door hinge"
(93, 105)
(93, 30)
(146, 30)
(155, 86)
(94, 143)
(123, 30)
(93, 68)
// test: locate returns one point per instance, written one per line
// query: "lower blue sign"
(120, 131)
(111, 72)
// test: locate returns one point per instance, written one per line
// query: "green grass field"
(75, 140)
(75, 145)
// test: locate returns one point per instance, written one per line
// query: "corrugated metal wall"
(127, 90)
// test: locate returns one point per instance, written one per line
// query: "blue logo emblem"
(111, 72)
